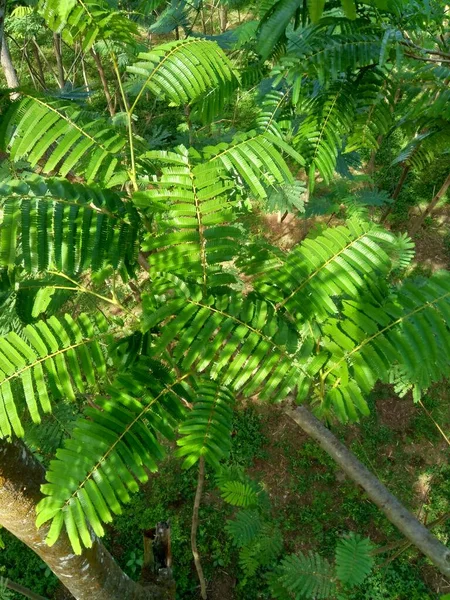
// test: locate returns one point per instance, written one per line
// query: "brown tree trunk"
(440, 194)
(37, 58)
(396, 193)
(58, 56)
(397, 514)
(93, 574)
(102, 76)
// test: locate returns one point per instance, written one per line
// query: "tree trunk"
(94, 574)
(396, 193)
(397, 514)
(58, 56)
(223, 18)
(440, 194)
(102, 75)
(8, 68)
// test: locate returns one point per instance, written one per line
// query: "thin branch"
(399, 516)
(198, 496)
(20, 589)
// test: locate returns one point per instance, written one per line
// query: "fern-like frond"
(175, 15)
(262, 551)
(339, 262)
(46, 437)
(374, 102)
(193, 208)
(329, 117)
(192, 202)
(185, 72)
(307, 576)
(87, 21)
(240, 342)
(271, 110)
(239, 493)
(273, 25)
(111, 449)
(353, 559)
(207, 430)
(55, 358)
(288, 197)
(62, 138)
(425, 147)
(245, 527)
(56, 225)
(326, 54)
(256, 159)
(409, 332)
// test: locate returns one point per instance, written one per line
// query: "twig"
(198, 496)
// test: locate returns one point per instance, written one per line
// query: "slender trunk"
(48, 66)
(396, 193)
(370, 167)
(58, 56)
(397, 514)
(101, 72)
(85, 77)
(93, 574)
(40, 69)
(223, 18)
(203, 19)
(7, 65)
(198, 497)
(440, 194)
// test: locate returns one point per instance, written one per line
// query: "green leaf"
(315, 8)
(353, 559)
(112, 447)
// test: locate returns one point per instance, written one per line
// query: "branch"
(397, 514)
(20, 589)
(427, 59)
(198, 496)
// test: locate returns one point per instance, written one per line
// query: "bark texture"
(7, 65)
(397, 514)
(94, 574)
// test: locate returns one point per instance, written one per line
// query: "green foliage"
(55, 225)
(259, 539)
(187, 71)
(336, 263)
(70, 140)
(227, 317)
(5, 593)
(20, 564)
(255, 337)
(312, 576)
(109, 449)
(353, 559)
(307, 576)
(207, 430)
(87, 21)
(55, 359)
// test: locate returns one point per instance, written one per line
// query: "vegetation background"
(294, 119)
